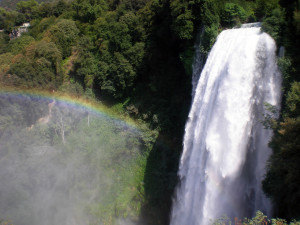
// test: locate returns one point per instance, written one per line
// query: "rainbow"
(90, 105)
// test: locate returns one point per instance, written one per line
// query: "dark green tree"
(64, 34)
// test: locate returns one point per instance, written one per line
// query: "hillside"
(136, 56)
(11, 4)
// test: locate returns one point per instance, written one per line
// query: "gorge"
(109, 114)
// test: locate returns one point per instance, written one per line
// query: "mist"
(65, 164)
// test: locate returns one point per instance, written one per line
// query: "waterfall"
(225, 146)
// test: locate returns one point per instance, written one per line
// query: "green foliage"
(120, 162)
(64, 34)
(5, 61)
(12, 4)
(221, 221)
(208, 38)
(265, 7)
(9, 19)
(18, 45)
(114, 34)
(73, 88)
(293, 100)
(38, 66)
(211, 12)
(121, 51)
(87, 70)
(270, 117)
(60, 7)
(183, 19)
(282, 180)
(137, 54)
(88, 10)
(258, 219)
(28, 9)
(234, 14)
(285, 66)
(40, 26)
(6, 58)
(4, 38)
(274, 24)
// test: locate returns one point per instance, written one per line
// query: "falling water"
(225, 145)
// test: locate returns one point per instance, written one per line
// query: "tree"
(85, 64)
(64, 34)
(19, 44)
(39, 66)
(234, 14)
(274, 24)
(265, 7)
(282, 180)
(88, 11)
(183, 19)
(39, 27)
(59, 7)
(28, 8)
(9, 19)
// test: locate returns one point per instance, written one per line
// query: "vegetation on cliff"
(136, 56)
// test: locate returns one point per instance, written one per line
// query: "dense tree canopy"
(137, 55)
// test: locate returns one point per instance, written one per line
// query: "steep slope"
(11, 4)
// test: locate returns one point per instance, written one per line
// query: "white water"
(225, 146)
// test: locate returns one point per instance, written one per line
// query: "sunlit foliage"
(137, 55)
(258, 219)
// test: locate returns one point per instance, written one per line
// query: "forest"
(136, 57)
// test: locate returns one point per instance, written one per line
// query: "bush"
(18, 45)
(264, 8)
(282, 180)
(39, 66)
(40, 26)
(64, 34)
(234, 14)
(274, 24)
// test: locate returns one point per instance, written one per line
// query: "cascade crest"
(225, 146)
